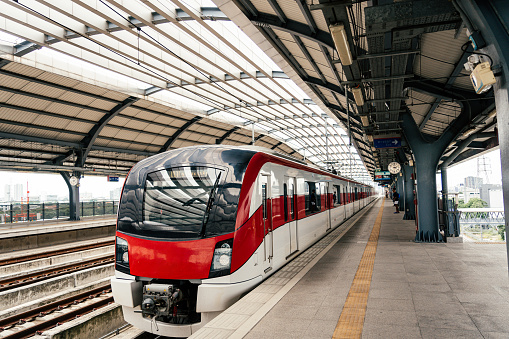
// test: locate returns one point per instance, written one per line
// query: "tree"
(476, 203)
(501, 231)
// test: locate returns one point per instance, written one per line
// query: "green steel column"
(409, 192)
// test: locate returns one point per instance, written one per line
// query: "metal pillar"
(74, 196)
(409, 192)
(445, 191)
(427, 154)
(400, 189)
(450, 159)
(490, 18)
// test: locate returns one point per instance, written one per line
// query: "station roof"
(406, 56)
(100, 84)
(169, 65)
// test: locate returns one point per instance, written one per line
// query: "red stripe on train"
(171, 259)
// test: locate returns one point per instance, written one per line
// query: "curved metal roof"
(407, 55)
(187, 59)
(171, 62)
(47, 125)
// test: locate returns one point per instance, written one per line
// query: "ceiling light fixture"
(365, 121)
(338, 33)
(359, 98)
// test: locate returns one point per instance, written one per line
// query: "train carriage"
(200, 226)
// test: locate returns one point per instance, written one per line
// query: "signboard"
(112, 178)
(382, 175)
(387, 143)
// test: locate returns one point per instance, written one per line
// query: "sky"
(456, 174)
(40, 184)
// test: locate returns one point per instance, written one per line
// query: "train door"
(345, 200)
(327, 205)
(290, 210)
(267, 221)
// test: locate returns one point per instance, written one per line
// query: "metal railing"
(17, 212)
(483, 224)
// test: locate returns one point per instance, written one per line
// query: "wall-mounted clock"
(394, 167)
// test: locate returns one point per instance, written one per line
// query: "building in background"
(473, 182)
(492, 194)
(13, 193)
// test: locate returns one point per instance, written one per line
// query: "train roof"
(254, 149)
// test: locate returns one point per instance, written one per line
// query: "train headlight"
(122, 255)
(221, 262)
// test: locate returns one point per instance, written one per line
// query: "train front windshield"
(180, 202)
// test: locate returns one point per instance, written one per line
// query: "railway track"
(30, 278)
(9, 327)
(54, 253)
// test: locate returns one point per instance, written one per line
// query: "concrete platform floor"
(448, 290)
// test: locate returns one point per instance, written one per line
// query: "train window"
(337, 195)
(312, 197)
(292, 201)
(355, 194)
(179, 201)
(264, 200)
(285, 201)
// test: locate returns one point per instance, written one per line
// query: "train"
(198, 227)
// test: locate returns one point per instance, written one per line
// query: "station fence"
(483, 224)
(17, 212)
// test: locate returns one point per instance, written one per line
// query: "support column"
(400, 188)
(409, 192)
(74, 196)
(427, 154)
(449, 160)
(490, 18)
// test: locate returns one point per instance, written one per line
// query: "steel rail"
(54, 253)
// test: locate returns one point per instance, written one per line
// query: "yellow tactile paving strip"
(351, 319)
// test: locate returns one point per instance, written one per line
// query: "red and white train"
(200, 226)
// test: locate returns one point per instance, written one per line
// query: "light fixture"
(341, 42)
(410, 163)
(365, 120)
(370, 137)
(359, 98)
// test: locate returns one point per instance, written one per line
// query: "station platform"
(369, 279)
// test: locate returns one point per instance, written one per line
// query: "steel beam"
(277, 145)
(25, 47)
(42, 128)
(4, 62)
(258, 137)
(293, 27)
(74, 196)
(89, 140)
(226, 135)
(182, 129)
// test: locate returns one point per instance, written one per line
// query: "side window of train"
(355, 195)
(318, 196)
(292, 201)
(336, 196)
(285, 201)
(264, 200)
(312, 197)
